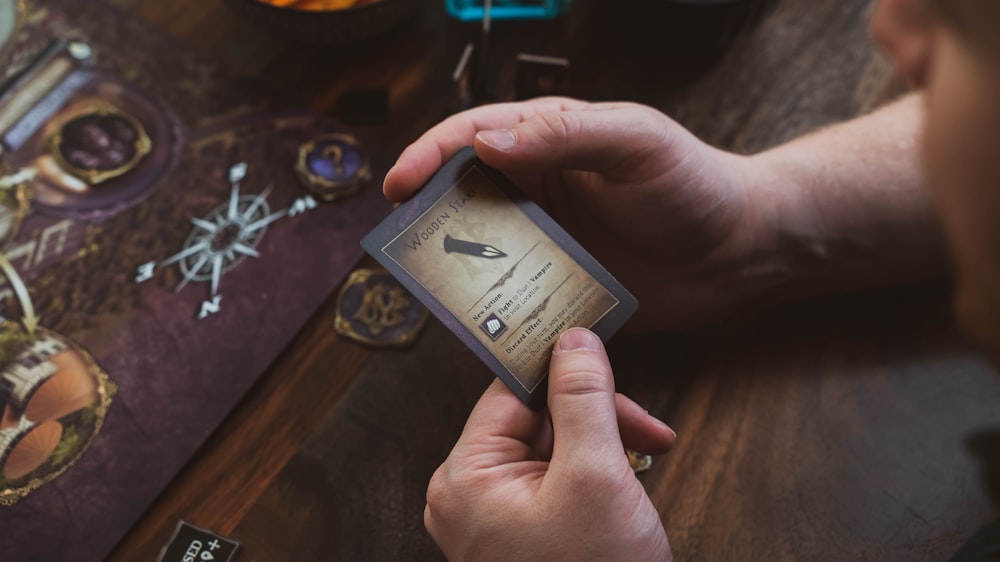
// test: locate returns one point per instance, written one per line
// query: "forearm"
(844, 209)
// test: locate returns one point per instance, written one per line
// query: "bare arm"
(847, 210)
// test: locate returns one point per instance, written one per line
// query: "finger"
(422, 158)
(541, 444)
(609, 142)
(640, 431)
(582, 403)
(500, 425)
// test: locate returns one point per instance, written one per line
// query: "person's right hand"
(668, 215)
(551, 485)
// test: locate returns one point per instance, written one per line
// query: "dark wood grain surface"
(855, 428)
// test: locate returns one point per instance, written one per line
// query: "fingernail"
(579, 338)
(665, 426)
(662, 424)
(498, 139)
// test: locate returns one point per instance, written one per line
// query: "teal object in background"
(472, 10)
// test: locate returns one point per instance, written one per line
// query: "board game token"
(100, 144)
(638, 461)
(333, 166)
(373, 308)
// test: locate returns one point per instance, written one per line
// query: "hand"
(517, 488)
(668, 215)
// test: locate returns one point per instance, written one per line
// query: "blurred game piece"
(333, 166)
(638, 461)
(374, 309)
(79, 50)
(539, 75)
(481, 72)
(461, 80)
(472, 10)
(473, 77)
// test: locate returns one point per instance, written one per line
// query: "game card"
(498, 271)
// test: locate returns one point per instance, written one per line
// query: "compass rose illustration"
(223, 238)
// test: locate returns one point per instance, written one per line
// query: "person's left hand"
(517, 488)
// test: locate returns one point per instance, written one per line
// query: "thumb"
(597, 140)
(581, 402)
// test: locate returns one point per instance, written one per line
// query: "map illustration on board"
(159, 247)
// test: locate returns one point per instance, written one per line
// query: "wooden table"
(857, 428)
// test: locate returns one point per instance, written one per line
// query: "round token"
(333, 166)
(373, 308)
(100, 144)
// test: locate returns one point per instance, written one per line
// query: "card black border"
(443, 180)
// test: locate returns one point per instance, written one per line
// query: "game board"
(164, 233)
